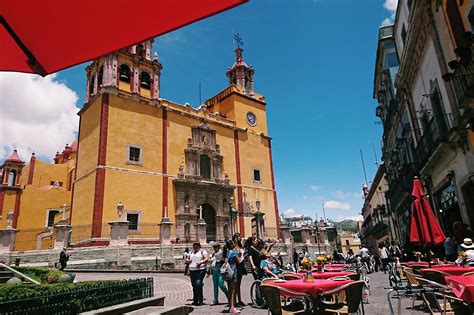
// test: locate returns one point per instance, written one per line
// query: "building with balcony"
(426, 109)
(379, 222)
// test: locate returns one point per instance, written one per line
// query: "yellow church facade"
(163, 161)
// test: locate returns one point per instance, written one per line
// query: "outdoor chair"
(353, 276)
(416, 269)
(436, 276)
(272, 297)
(471, 273)
(412, 283)
(431, 293)
(351, 294)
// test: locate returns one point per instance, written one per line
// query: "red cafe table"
(326, 275)
(451, 270)
(462, 286)
(337, 265)
(312, 288)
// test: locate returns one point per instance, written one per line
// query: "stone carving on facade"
(9, 218)
(193, 191)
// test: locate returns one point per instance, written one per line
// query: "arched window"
(124, 73)
(145, 80)
(91, 85)
(205, 166)
(100, 78)
(11, 178)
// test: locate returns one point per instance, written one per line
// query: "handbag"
(226, 272)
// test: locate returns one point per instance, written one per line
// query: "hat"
(467, 244)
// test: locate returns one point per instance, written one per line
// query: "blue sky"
(314, 62)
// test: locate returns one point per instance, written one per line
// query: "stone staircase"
(6, 273)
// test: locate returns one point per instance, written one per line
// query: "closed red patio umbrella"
(425, 229)
(47, 36)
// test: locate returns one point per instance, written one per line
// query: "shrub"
(43, 275)
(71, 298)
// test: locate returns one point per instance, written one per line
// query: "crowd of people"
(241, 257)
(253, 256)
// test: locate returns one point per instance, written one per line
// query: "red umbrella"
(425, 229)
(47, 36)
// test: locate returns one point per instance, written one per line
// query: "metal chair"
(272, 295)
(352, 299)
(438, 299)
(436, 276)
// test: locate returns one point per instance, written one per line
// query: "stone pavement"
(178, 291)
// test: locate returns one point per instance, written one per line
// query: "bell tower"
(11, 170)
(240, 74)
(131, 69)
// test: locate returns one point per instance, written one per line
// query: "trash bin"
(17, 262)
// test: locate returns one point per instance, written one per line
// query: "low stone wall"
(131, 257)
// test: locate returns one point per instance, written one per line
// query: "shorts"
(234, 278)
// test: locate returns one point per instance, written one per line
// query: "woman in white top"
(197, 267)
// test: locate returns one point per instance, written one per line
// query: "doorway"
(209, 215)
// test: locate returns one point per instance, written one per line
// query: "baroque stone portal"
(202, 184)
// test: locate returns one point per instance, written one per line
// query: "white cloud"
(292, 213)
(344, 195)
(314, 187)
(37, 114)
(340, 218)
(391, 5)
(333, 204)
(387, 22)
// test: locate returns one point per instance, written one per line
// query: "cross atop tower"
(238, 41)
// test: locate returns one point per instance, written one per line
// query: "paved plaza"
(177, 290)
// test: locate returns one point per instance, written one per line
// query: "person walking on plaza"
(186, 265)
(295, 259)
(232, 258)
(217, 258)
(197, 268)
(384, 256)
(237, 239)
(63, 258)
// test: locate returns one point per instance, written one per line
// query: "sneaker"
(240, 304)
(215, 303)
(234, 310)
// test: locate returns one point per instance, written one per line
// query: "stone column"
(8, 235)
(61, 234)
(305, 235)
(285, 233)
(201, 232)
(7, 239)
(118, 233)
(165, 231)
